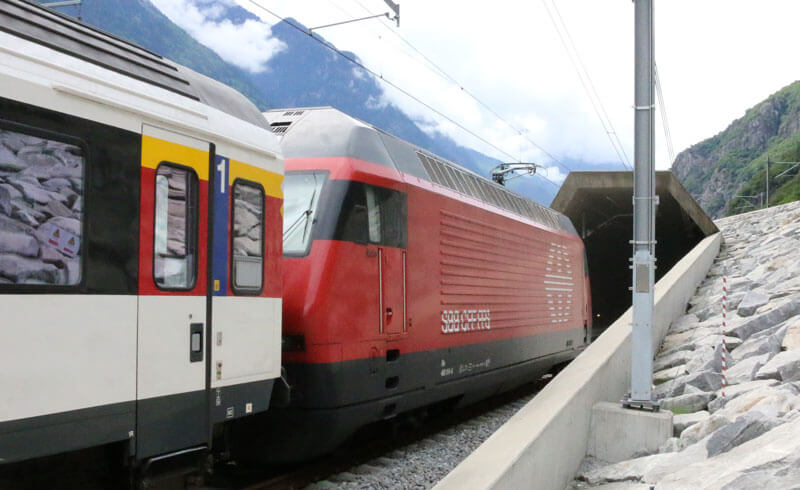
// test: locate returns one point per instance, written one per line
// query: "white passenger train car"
(140, 246)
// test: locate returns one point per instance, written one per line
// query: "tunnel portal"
(600, 205)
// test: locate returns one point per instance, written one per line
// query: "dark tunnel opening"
(600, 206)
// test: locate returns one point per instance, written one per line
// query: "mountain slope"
(140, 22)
(733, 163)
(306, 73)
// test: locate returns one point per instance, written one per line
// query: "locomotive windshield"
(301, 192)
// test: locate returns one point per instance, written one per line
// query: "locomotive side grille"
(454, 178)
(523, 278)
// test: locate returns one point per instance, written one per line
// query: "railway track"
(371, 459)
(419, 450)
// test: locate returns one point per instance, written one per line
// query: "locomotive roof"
(327, 132)
(44, 26)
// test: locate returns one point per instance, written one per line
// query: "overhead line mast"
(644, 205)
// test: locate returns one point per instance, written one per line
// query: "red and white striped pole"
(724, 324)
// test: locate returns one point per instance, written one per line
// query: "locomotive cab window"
(41, 208)
(371, 214)
(302, 191)
(175, 247)
(247, 264)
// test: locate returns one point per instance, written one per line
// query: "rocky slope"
(745, 435)
(734, 161)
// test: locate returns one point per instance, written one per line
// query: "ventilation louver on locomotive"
(471, 185)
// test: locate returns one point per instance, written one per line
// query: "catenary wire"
(663, 109)
(591, 84)
(612, 131)
(440, 71)
(332, 48)
(588, 85)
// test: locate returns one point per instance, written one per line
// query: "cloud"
(510, 56)
(508, 81)
(248, 45)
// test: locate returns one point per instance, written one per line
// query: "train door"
(386, 219)
(246, 327)
(172, 411)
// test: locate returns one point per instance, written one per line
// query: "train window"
(371, 214)
(393, 212)
(247, 263)
(41, 202)
(175, 247)
(353, 222)
(302, 191)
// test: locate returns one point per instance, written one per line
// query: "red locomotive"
(408, 281)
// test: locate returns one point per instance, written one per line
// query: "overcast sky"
(716, 58)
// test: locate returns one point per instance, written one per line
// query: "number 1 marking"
(221, 169)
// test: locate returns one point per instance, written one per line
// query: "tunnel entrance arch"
(600, 205)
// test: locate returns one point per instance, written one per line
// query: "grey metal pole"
(644, 203)
(767, 180)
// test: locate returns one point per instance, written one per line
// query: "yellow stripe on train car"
(271, 181)
(156, 151)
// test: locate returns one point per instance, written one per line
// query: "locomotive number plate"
(458, 321)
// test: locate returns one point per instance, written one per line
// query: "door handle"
(195, 342)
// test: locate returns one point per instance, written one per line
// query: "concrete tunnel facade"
(600, 205)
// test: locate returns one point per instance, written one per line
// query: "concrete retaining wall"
(542, 446)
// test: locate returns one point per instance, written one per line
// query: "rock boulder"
(787, 309)
(687, 403)
(752, 302)
(682, 421)
(748, 426)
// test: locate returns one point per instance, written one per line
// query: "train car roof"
(61, 33)
(313, 132)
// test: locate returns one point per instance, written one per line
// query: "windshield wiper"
(296, 222)
(305, 214)
(310, 209)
